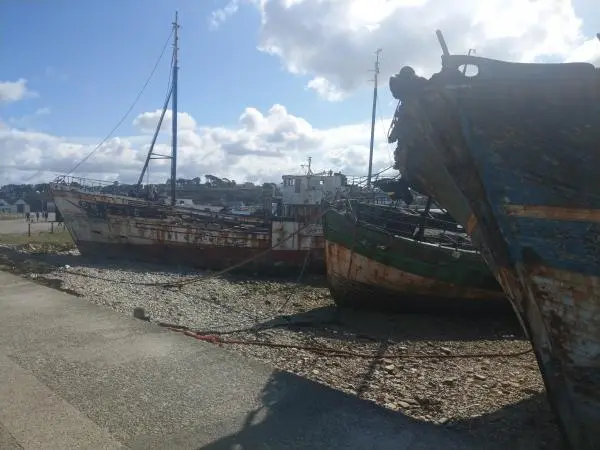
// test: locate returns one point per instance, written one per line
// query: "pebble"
(424, 388)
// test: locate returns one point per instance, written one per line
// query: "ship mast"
(174, 111)
(171, 96)
(373, 115)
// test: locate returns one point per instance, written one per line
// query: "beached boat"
(512, 153)
(373, 260)
(139, 225)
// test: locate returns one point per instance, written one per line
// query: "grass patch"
(61, 240)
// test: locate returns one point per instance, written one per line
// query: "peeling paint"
(121, 227)
(514, 151)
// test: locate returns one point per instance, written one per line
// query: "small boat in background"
(389, 258)
(512, 153)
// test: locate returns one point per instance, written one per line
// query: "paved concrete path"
(76, 376)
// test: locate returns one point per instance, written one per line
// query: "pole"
(174, 112)
(154, 138)
(373, 114)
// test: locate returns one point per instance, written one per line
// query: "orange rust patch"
(471, 224)
(344, 263)
(554, 213)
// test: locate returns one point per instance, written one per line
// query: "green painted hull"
(368, 266)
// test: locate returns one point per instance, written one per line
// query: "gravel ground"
(408, 362)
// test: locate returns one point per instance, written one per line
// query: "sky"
(263, 84)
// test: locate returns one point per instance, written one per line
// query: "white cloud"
(220, 15)
(326, 89)
(12, 91)
(148, 121)
(260, 148)
(333, 40)
(587, 51)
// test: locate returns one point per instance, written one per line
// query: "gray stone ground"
(74, 375)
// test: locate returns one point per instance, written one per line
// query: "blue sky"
(275, 61)
(88, 59)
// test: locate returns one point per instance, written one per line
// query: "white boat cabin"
(302, 195)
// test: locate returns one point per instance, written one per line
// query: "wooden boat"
(373, 261)
(107, 222)
(512, 153)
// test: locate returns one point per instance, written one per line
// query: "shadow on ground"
(526, 425)
(340, 324)
(47, 261)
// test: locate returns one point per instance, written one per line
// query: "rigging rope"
(137, 98)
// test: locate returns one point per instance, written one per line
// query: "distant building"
(21, 206)
(5, 207)
(18, 207)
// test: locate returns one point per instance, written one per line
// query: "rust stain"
(344, 263)
(471, 224)
(554, 213)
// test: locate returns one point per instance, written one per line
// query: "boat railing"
(407, 223)
(83, 183)
(98, 186)
(432, 236)
(362, 180)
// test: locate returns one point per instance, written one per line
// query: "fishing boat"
(512, 153)
(393, 259)
(139, 225)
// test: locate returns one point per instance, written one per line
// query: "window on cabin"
(297, 185)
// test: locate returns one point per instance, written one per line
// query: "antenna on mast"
(373, 114)
(308, 166)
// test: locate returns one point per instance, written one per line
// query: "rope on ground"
(294, 289)
(328, 351)
(215, 274)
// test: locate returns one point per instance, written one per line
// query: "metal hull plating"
(127, 228)
(520, 144)
(367, 267)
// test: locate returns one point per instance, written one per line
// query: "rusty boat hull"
(372, 267)
(126, 228)
(518, 144)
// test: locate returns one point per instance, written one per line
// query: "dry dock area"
(365, 379)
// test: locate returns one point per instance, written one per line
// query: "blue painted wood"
(556, 175)
(524, 134)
